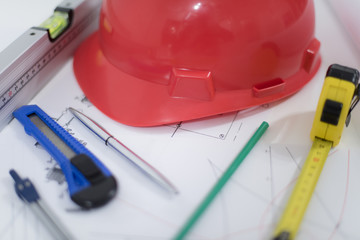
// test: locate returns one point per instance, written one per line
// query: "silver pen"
(27, 192)
(119, 147)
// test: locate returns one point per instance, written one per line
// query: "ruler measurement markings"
(19, 84)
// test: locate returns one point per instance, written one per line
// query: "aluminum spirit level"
(33, 59)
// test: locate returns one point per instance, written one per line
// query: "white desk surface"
(192, 156)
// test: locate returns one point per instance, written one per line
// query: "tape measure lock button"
(331, 112)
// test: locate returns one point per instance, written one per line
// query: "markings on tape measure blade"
(304, 188)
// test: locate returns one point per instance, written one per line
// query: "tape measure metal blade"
(304, 188)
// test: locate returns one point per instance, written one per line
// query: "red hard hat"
(165, 61)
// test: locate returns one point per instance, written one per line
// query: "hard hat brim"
(137, 102)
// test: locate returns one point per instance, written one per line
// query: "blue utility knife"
(90, 183)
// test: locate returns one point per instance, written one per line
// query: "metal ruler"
(338, 97)
(28, 63)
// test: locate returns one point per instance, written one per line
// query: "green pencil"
(222, 181)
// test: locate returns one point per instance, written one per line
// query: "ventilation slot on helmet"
(268, 88)
(193, 84)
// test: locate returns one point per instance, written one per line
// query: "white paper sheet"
(193, 155)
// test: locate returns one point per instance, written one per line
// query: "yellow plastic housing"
(338, 90)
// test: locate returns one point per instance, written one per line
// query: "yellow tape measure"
(338, 97)
(303, 190)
